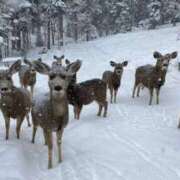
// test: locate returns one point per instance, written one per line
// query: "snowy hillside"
(135, 141)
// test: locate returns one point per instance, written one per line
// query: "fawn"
(113, 79)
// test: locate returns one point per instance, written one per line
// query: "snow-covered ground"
(135, 141)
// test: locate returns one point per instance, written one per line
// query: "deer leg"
(79, 108)
(75, 112)
(18, 126)
(50, 146)
(134, 90)
(151, 96)
(157, 95)
(59, 144)
(100, 109)
(7, 124)
(179, 124)
(45, 137)
(111, 93)
(28, 121)
(138, 91)
(32, 91)
(105, 108)
(115, 95)
(34, 134)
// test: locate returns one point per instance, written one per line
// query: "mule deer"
(51, 112)
(74, 78)
(58, 61)
(27, 75)
(15, 102)
(85, 93)
(163, 61)
(113, 79)
(151, 77)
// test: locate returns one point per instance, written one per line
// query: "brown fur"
(151, 77)
(113, 79)
(85, 93)
(27, 75)
(162, 61)
(15, 102)
(51, 112)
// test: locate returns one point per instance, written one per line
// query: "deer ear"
(157, 55)
(55, 57)
(74, 67)
(15, 67)
(27, 62)
(62, 57)
(67, 62)
(174, 55)
(39, 59)
(125, 63)
(112, 63)
(41, 67)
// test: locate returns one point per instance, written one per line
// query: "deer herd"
(51, 112)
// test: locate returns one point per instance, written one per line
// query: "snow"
(135, 142)
(1, 40)
(19, 3)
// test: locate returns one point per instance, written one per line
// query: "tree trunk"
(61, 30)
(75, 28)
(53, 32)
(49, 34)
(39, 40)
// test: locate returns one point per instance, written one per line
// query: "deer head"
(59, 78)
(118, 67)
(6, 83)
(164, 60)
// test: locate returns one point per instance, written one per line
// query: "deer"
(27, 75)
(84, 93)
(51, 112)
(74, 78)
(14, 102)
(164, 61)
(113, 78)
(58, 61)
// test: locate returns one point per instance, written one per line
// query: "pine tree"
(122, 16)
(154, 9)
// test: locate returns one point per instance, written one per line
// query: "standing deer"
(113, 79)
(27, 75)
(15, 102)
(51, 112)
(84, 93)
(163, 61)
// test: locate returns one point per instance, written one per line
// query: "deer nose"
(57, 88)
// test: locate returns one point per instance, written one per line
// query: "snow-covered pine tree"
(154, 13)
(170, 11)
(121, 15)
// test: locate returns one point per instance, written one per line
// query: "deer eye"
(52, 76)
